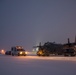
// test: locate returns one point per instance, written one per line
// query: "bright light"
(20, 52)
(25, 52)
(19, 47)
(40, 52)
(37, 49)
(2, 51)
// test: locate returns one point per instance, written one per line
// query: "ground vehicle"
(18, 50)
(8, 53)
(49, 48)
(69, 52)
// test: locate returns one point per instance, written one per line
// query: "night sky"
(28, 22)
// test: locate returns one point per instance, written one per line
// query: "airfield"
(35, 65)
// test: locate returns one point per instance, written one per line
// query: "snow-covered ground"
(34, 65)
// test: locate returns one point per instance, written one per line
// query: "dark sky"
(28, 22)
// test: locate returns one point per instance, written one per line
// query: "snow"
(34, 65)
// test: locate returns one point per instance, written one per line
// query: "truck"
(18, 50)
